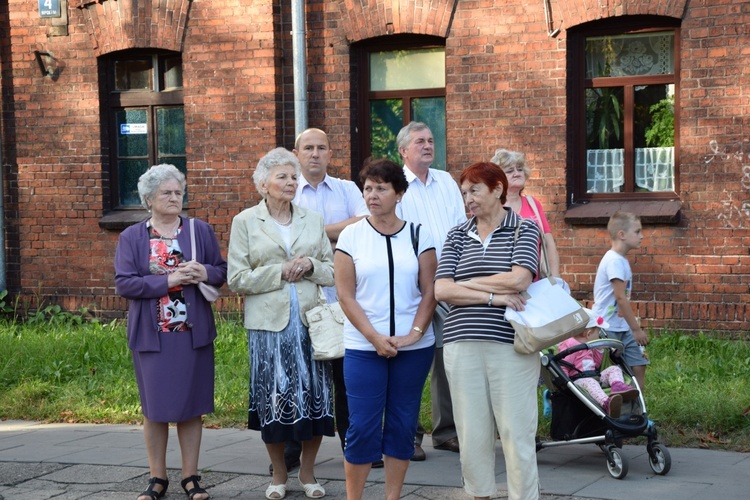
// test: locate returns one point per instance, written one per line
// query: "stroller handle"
(615, 345)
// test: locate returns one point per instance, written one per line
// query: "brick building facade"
(511, 73)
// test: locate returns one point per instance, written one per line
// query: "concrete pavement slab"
(39, 461)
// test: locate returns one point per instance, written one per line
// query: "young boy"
(612, 289)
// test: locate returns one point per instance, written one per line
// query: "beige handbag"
(325, 324)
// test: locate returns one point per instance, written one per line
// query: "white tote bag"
(550, 316)
(326, 328)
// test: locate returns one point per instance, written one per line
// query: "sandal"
(312, 488)
(278, 489)
(195, 490)
(150, 490)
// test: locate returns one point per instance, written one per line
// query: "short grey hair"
(403, 137)
(149, 182)
(274, 158)
(504, 158)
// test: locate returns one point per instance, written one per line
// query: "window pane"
(605, 118)
(630, 55)
(129, 172)
(653, 130)
(431, 111)
(171, 73)
(605, 140)
(170, 131)
(134, 74)
(132, 133)
(407, 69)
(386, 119)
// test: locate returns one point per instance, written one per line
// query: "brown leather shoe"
(419, 455)
(450, 445)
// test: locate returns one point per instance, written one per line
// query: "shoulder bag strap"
(192, 239)
(515, 238)
(415, 238)
(541, 228)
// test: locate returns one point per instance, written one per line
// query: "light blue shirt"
(437, 205)
(336, 200)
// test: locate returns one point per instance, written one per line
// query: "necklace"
(288, 221)
(166, 235)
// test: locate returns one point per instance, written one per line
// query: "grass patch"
(59, 369)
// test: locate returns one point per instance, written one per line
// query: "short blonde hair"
(621, 221)
(505, 158)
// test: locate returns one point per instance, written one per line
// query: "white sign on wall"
(133, 128)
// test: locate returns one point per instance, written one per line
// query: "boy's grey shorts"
(632, 353)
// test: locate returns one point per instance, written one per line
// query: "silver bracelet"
(492, 296)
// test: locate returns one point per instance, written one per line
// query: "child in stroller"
(579, 418)
(583, 366)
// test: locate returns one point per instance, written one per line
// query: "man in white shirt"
(434, 200)
(340, 202)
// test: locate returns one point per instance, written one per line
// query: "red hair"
(488, 174)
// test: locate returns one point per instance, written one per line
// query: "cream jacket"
(256, 254)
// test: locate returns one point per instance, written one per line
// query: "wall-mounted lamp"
(47, 63)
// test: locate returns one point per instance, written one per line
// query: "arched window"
(146, 121)
(402, 79)
(625, 109)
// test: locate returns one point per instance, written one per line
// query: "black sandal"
(150, 490)
(196, 490)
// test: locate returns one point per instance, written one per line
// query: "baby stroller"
(578, 419)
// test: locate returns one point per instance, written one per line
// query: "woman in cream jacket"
(278, 256)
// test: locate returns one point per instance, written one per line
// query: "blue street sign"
(49, 8)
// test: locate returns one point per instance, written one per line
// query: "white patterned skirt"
(291, 396)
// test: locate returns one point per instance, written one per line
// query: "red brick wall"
(54, 183)
(506, 86)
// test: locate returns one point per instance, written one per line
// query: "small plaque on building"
(133, 128)
(49, 8)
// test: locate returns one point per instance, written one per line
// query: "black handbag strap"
(415, 237)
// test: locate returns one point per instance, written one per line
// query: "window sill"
(118, 220)
(650, 212)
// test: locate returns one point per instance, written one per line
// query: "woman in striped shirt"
(485, 264)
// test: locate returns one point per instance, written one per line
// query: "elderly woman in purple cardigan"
(170, 325)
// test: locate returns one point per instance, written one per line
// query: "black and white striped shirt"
(464, 257)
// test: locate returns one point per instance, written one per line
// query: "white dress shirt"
(336, 200)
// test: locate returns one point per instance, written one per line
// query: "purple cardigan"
(134, 281)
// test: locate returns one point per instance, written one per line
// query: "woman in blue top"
(384, 273)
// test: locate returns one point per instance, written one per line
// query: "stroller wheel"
(617, 463)
(659, 459)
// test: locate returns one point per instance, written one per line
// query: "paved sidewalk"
(75, 461)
